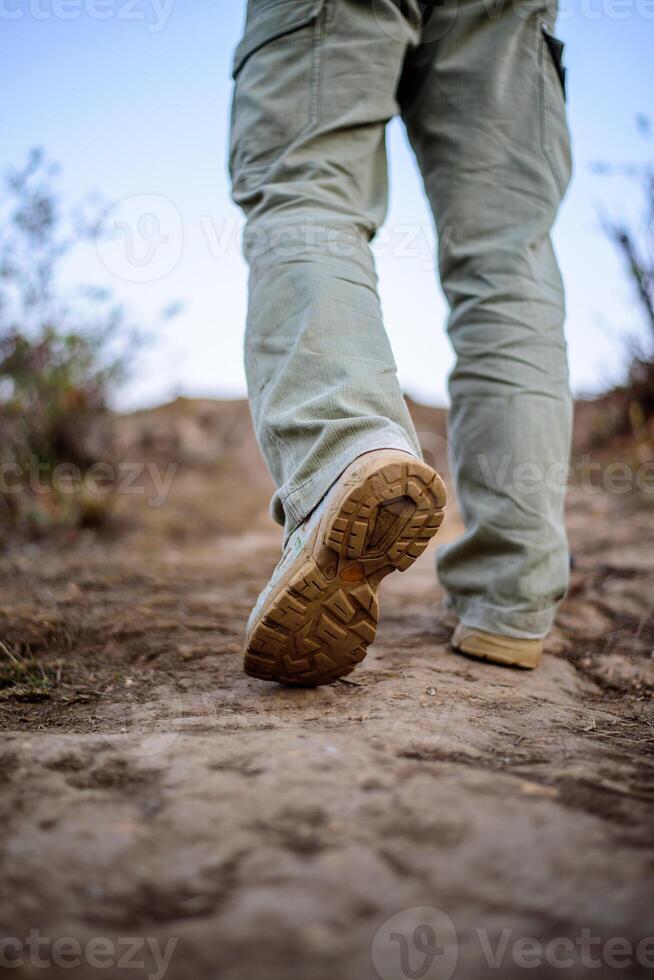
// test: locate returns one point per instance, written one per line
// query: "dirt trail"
(154, 791)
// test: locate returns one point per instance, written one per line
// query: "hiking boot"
(506, 650)
(314, 621)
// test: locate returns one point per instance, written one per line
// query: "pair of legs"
(479, 88)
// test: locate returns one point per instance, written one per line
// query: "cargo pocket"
(554, 120)
(556, 49)
(277, 72)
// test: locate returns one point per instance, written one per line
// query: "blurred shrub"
(61, 355)
(635, 242)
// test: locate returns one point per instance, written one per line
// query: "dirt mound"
(238, 830)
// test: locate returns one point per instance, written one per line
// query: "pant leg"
(484, 107)
(315, 87)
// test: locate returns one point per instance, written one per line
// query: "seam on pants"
(317, 55)
(546, 107)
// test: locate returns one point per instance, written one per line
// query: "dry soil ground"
(150, 791)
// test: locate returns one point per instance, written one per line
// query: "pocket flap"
(557, 49)
(274, 20)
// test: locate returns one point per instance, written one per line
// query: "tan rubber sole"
(504, 650)
(318, 624)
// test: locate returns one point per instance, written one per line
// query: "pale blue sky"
(137, 104)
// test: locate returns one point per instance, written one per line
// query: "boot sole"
(522, 661)
(318, 624)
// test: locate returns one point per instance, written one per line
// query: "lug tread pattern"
(318, 629)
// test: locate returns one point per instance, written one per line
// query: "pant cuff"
(503, 621)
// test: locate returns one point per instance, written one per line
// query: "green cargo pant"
(479, 85)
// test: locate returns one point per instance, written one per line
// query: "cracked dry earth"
(154, 791)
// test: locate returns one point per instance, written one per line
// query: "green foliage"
(25, 679)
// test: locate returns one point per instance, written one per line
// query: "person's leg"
(484, 107)
(315, 87)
